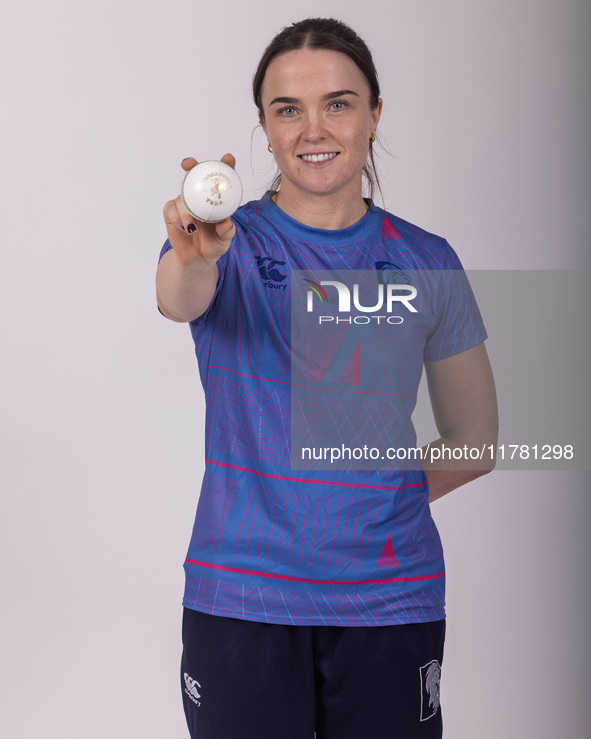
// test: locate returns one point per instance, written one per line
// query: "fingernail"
(191, 228)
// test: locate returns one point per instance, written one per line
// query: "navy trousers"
(251, 680)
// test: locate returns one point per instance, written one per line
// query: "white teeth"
(318, 157)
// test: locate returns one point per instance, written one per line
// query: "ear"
(376, 113)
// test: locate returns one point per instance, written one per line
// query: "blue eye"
(338, 105)
(288, 111)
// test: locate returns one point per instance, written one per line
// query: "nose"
(314, 128)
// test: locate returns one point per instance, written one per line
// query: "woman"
(314, 599)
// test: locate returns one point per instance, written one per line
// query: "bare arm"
(187, 274)
(464, 402)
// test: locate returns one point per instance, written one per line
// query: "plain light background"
(486, 118)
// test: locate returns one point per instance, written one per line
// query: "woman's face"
(318, 120)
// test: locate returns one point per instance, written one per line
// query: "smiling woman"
(317, 115)
(314, 600)
(353, 74)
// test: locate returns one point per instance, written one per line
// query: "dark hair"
(323, 33)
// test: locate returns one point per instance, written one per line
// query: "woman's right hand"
(194, 241)
(187, 275)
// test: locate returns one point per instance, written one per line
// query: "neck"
(331, 211)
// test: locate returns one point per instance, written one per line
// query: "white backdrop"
(486, 118)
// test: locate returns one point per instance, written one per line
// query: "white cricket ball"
(211, 191)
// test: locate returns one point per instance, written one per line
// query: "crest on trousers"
(430, 687)
(191, 686)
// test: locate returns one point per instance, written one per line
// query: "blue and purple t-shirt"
(272, 541)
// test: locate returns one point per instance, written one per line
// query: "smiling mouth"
(318, 157)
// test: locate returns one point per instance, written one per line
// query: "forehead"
(312, 71)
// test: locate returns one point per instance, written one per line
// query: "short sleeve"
(458, 324)
(221, 265)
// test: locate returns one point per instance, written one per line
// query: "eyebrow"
(328, 96)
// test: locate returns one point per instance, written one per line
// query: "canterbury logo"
(268, 269)
(191, 689)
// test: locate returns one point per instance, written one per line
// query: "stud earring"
(372, 138)
(269, 146)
